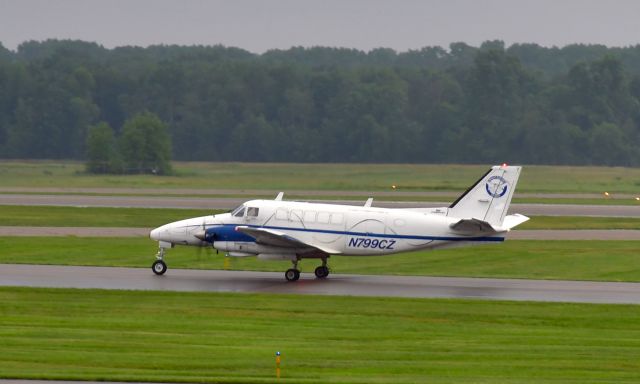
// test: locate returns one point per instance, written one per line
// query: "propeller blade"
(201, 235)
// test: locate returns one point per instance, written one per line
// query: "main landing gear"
(322, 271)
(159, 267)
(293, 274)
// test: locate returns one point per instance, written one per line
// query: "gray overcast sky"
(261, 25)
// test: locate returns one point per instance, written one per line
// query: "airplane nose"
(155, 234)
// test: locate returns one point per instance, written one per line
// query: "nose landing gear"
(159, 267)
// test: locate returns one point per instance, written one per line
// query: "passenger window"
(337, 218)
(323, 217)
(239, 212)
(252, 212)
(282, 214)
(309, 216)
(295, 215)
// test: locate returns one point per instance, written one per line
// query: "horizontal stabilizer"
(478, 227)
(512, 221)
(472, 227)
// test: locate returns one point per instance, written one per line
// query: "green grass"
(46, 216)
(572, 260)
(356, 198)
(341, 177)
(226, 337)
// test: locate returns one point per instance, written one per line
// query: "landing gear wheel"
(159, 267)
(292, 274)
(322, 272)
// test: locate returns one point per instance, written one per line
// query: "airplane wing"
(280, 239)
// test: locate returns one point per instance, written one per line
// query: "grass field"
(358, 199)
(215, 337)
(45, 216)
(292, 177)
(571, 260)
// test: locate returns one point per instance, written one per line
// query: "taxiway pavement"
(348, 285)
(229, 203)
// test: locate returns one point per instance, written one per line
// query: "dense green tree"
(145, 145)
(102, 152)
(578, 104)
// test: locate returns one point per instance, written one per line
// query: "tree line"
(578, 104)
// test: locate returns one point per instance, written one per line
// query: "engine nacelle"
(234, 246)
(240, 254)
(276, 256)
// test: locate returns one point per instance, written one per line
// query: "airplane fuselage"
(344, 229)
(290, 230)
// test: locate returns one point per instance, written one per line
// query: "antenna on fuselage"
(368, 202)
(279, 197)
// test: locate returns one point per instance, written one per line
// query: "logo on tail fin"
(496, 186)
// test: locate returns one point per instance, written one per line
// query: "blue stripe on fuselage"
(227, 232)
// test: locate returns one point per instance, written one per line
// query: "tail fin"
(489, 198)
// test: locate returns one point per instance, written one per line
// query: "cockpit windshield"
(238, 212)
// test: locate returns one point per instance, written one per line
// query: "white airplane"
(289, 230)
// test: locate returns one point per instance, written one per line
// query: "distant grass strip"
(528, 259)
(330, 177)
(332, 195)
(46, 216)
(232, 338)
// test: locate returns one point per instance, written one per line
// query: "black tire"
(292, 274)
(322, 272)
(159, 267)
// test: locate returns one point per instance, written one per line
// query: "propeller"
(202, 234)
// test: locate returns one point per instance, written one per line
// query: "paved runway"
(229, 203)
(579, 234)
(350, 285)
